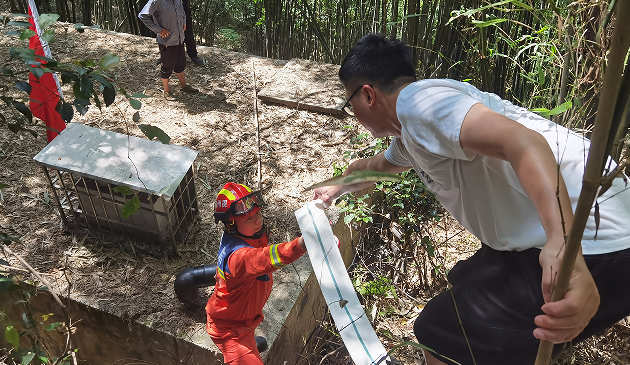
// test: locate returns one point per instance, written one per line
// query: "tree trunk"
(412, 24)
(394, 30)
(87, 12)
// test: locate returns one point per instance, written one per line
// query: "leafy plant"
(377, 287)
(357, 209)
(410, 203)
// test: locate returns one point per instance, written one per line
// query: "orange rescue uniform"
(243, 285)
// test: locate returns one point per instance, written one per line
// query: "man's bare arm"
(488, 133)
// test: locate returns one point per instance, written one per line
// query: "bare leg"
(182, 79)
(430, 359)
(165, 84)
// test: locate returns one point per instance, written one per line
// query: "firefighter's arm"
(248, 262)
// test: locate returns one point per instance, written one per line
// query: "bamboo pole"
(257, 126)
(595, 162)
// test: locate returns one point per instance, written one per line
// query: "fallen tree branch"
(35, 273)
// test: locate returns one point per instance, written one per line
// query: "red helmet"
(236, 200)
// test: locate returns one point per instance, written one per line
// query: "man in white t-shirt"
(494, 167)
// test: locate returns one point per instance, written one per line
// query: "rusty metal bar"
(54, 191)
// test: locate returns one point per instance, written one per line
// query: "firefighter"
(243, 279)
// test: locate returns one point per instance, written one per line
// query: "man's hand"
(329, 193)
(565, 319)
(301, 243)
(377, 163)
(184, 27)
(165, 33)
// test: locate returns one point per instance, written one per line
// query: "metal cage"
(165, 216)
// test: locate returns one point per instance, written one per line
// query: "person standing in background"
(167, 19)
(189, 38)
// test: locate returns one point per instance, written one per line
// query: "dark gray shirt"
(167, 14)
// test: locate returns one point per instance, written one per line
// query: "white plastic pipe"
(353, 325)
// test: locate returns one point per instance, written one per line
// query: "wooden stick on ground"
(596, 158)
(34, 272)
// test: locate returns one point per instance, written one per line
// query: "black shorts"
(173, 59)
(498, 294)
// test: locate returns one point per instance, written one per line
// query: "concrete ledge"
(104, 338)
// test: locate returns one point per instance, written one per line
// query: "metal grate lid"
(107, 156)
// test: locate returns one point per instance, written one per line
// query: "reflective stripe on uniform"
(221, 274)
(276, 261)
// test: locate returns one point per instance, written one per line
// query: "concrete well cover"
(118, 159)
(306, 85)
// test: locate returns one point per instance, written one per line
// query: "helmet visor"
(247, 203)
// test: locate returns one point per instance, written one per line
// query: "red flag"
(45, 92)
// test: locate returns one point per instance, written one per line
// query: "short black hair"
(379, 61)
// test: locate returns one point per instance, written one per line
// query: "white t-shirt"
(484, 193)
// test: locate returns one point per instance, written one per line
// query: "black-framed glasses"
(347, 107)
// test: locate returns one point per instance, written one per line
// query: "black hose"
(188, 280)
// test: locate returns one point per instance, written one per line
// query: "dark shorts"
(173, 59)
(497, 296)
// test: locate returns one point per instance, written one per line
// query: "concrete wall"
(103, 338)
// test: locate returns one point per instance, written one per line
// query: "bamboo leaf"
(475, 11)
(597, 219)
(561, 108)
(136, 117)
(480, 24)
(356, 177)
(130, 207)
